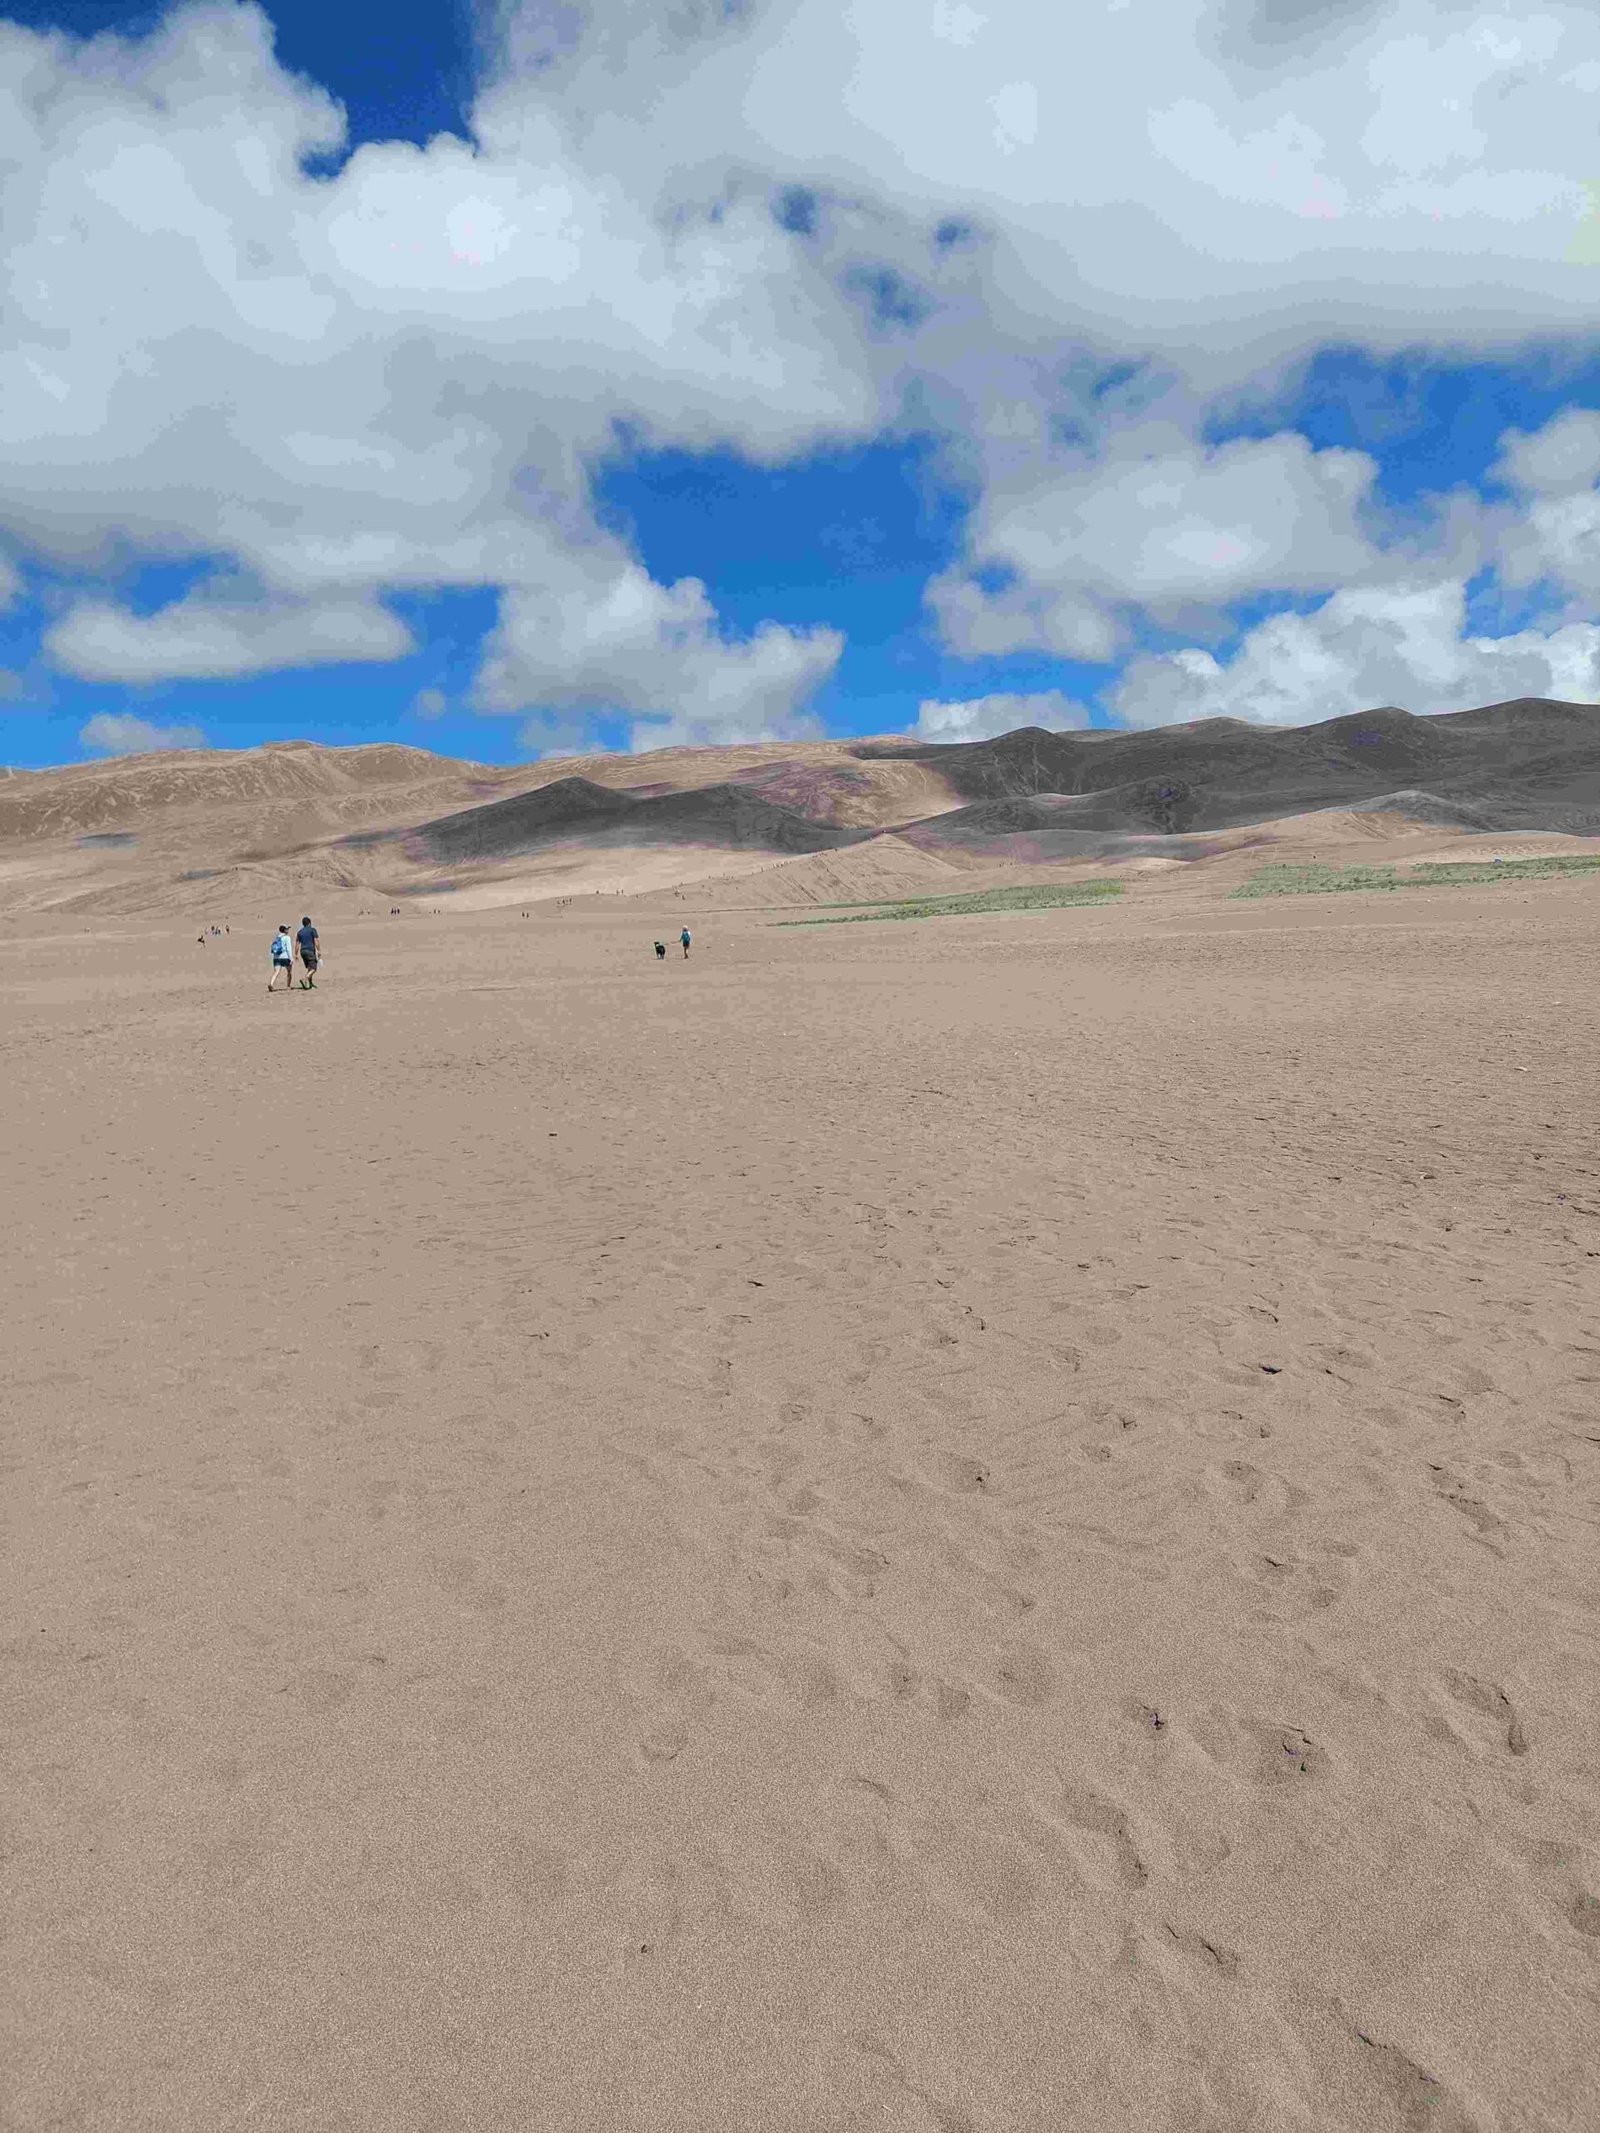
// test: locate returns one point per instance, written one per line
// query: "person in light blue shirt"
(282, 959)
(684, 937)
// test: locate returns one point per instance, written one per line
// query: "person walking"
(310, 954)
(684, 937)
(282, 959)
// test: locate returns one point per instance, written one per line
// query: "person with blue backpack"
(282, 959)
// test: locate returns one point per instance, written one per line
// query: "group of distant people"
(304, 947)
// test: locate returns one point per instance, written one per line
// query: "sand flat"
(975, 1526)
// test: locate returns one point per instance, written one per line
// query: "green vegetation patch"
(1427, 871)
(1314, 879)
(1032, 899)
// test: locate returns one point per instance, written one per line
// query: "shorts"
(280, 962)
(309, 961)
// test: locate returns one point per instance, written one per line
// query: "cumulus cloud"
(393, 376)
(981, 717)
(1555, 460)
(404, 375)
(1393, 644)
(1157, 522)
(605, 636)
(429, 703)
(118, 733)
(400, 376)
(1553, 537)
(203, 638)
(984, 614)
(1250, 179)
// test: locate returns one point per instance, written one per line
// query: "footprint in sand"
(1201, 1948)
(664, 1743)
(908, 1685)
(1271, 1753)
(966, 1476)
(1420, 2103)
(1489, 1530)
(1083, 1808)
(1288, 1755)
(1294, 1581)
(1486, 1699)
(945, 2117)
(1343, 1365)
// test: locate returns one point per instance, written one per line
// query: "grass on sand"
(1021, 899)
(1316, 879)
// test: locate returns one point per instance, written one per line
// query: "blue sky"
(509, 377)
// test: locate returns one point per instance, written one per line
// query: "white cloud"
(202, 637)
(10, 582)
(429, 703)
(1222, 188)
(1018, 616)
(1558, 541)
(1553, 461)
(116, 733)
(603, 635)
(396, 376)
(1553, 537)
(1157, 522)
(981, 717)
(1396, 644)
(400, 376)
(404, 375)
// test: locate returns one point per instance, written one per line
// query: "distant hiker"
(282, 959)
(661, 951)
(684, 937)
(306, 942)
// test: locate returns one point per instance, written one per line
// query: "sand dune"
(980, 1527)
(885, 865)
(726, 814)
(171, 833)
(1527, 764)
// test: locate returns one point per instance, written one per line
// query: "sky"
(518, 377)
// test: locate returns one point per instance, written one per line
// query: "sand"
(967, 1527)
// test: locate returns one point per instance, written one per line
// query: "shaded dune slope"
(725, 815)
(1526, 764)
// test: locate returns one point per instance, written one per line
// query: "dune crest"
(170, 832)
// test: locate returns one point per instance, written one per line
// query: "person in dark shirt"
(306, 946)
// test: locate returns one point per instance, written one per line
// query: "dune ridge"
(161, 832)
